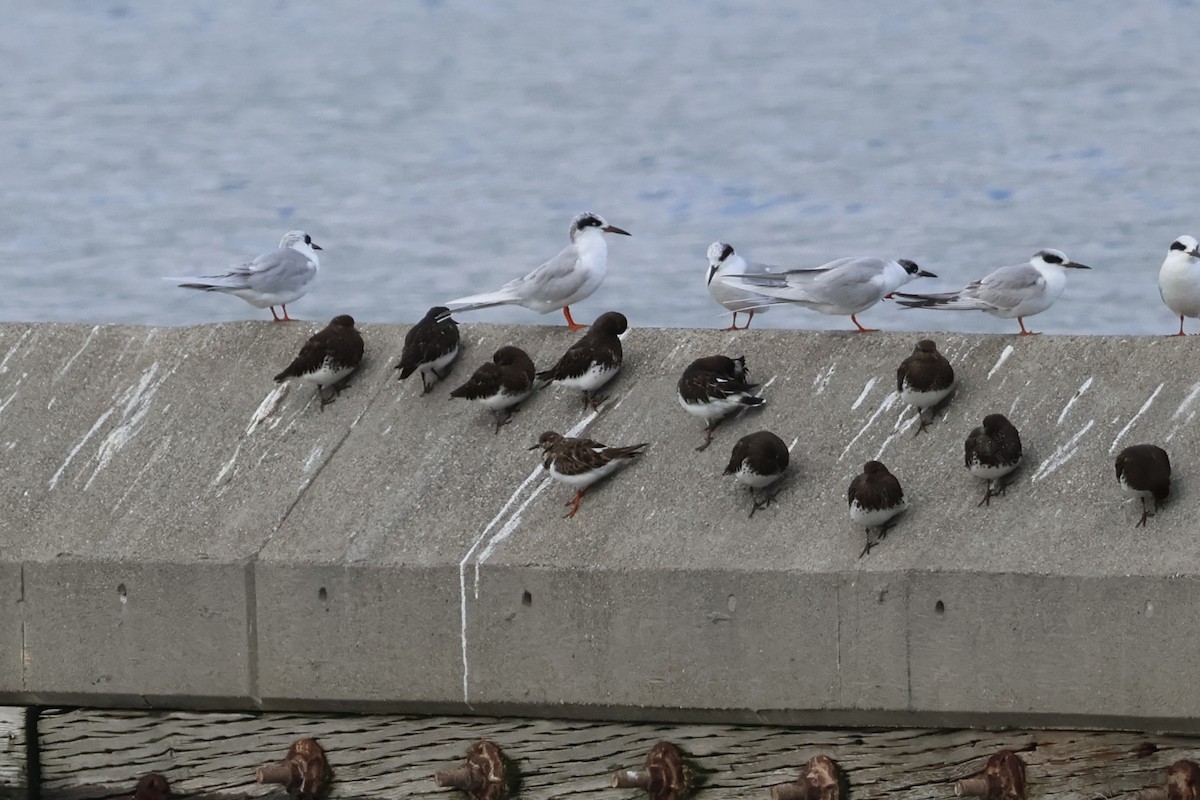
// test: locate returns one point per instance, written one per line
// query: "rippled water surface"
(441, 148)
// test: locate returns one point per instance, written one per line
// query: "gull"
(845, 287)
(723, 261)
(569, 277)
(273, 279)
(1179, 279)
(1017, 292)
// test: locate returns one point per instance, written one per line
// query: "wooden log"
(13, 754)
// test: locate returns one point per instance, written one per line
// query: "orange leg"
(733, 325)
(572, 324)
(286, 318)
(1181, 333)
(274, 315)
(1021, 322)
(749, 319)
(574, 502)
(861, 329)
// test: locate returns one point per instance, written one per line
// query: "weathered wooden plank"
(98, 754)
(13, 783)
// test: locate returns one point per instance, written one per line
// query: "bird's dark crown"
(343, 321)
(909, 266)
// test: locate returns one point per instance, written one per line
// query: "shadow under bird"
(1014, 292)
(722, 262)
(593, 361)
(991, 452)
(925, 380)
(759, 460)
(500, 385)
(566, 279)
(328, 358)
(715, 388)
(1179, 279)
(845, 287)
(1144, 471)
(579, 463)
(272, 279)
(430, 348)
(875, 499)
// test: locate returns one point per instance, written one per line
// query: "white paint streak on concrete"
(225, 470)
(1004, 354)
(506, 530)
(863, 395)
(137, 399)
(1063, 453)
(821, 382)
(792, 446)
(78, 445)
(268, 406)
(311, 461)
(912, 420)
(1083, 387)
(87, 340)
(887, 404)
(9, 399)
(1187, 401)
(12, 351)
(1146, 405)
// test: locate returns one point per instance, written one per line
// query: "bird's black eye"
(1051, 258)
(909, 266)
(589, 222)
(727, 252)
(307, 239)
(1178, 245)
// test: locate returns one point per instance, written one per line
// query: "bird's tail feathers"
(949, 301)
(210, 283)
(475, 302)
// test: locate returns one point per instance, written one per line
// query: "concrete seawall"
(176, 531)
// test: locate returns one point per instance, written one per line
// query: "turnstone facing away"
(758, 460)
(272, 279)
(592, 361)
(1019, 291)
(875, 498)
(430, 348)
(1179, 279)
(328, 358)
(845, 287)
(152, 786)
(581, 462)
(501, 384)
(1144, 471)
(714, 388)
(992, 451)
(723, 262)
(924, 380)
(569, 277)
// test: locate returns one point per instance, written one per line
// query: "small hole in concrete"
(526, 599)
(322, 595)
(731, 603)
(940, 607)
(121, 593)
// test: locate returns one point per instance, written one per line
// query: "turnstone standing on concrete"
(430, 348)
(592, 361)
(714, 388)
(1179, 279)
(501, 384)
(723, 262)
(992, 451)
(875, 498)
(581, 462)
(925, 379)
(569, 277)
(758, 460)
(1019, 291)
(845, 287)
(1144, 471)
(272, 279)
(328, 358)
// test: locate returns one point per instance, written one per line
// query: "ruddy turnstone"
(924, 380)
(714, 388)
(723, 263)
(875, 498)
(758, 461)
(569, 277)
(328, 358)
(845, 287)
(430, 348)
(992, 451)
(272, 279)
(593, 361)
(1179, 279)
(1144, 471)
(501, 384)
(1012, 292)
(152, 786)
(581, 462)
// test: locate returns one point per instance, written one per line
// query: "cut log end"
(971, 787)
(630, 779)
(281, 772)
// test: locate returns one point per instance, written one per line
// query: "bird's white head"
(718, 254)
(1054, 258)
(1184, 246)
(298, 240)
(587, 222)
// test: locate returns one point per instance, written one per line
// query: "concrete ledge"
(175, 531)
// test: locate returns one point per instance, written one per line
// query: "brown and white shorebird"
(924, 380)
(758, 460)
(1144, 471)
(328, 358)
(875, 498)
(500, 385)
(430, 348)
(715, 388)
(592, 361)
(579, 463)
(991, 452)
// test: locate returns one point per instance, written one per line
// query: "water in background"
(439, 149)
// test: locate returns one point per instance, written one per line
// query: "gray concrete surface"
(175, 531)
